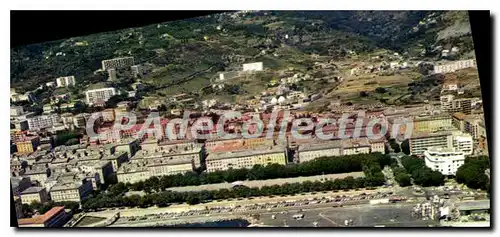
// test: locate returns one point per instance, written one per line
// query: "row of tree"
(165, 198)
(324, 165)
(421, 174)
(370, 164)
(472, 173)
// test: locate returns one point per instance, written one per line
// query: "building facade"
(421, 142)
(74, 191)
(28, 145)
(457, 65)
(117, 63)
(65, 81)
(43, 121)
(446, 161)
(34, 194)
(258, 66)
(245, 159)
(99, 95)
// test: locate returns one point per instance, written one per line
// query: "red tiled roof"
(42, 218)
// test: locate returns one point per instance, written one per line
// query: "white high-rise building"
(43, 121)
(112, 74)
(65, 81)
(16, 111)
(446, 161)
(464, 143)
(99, 95)
(259, 66)
(117, 63)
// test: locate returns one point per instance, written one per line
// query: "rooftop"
(320, 146)
(473, 205)
(235, 154)
(32, 190)
(41, 219)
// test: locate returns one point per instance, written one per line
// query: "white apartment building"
(245, 159)
(136, 70)
(463, 143)
(161, 167)
(117, 63)
(258, 66)
(421, 142)
(34, 194)
(445, 140)
(43, 121)
(313, 151)
(450, 104)
(65, 81)
(446, 161)
(457, 65)
(16, 111)
(73, 191)
(99, 95)
(112, 74)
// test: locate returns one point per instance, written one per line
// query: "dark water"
(228, 223)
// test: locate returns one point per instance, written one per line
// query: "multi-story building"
(454, 66)
(19, 184)
(464, 143)
(355, 146)
(38, 174)
(312, 151)
(422, 141)
(175, 151)
(98, 96)
(117, 63)
(20, 125)
(130, 146)
(43, 121)
(136, 71)
(377, 146)
(67, 120)
(116, 159)
(258, 66)
(55, 217)
(108, 115)
(458, 121)
(161, 167)
(483, 142)
(471, 126)
(451, 139)
(245, 159)
(34, 194)
(28, 145)
(112, 74)
(450, 104)
(132, 173)
(444, 160)
(16, 111)
(65, 81)
(80, 120)
(431, 123)
(71, 190)
(18, 206)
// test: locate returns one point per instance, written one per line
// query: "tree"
(405, 147)
(381, 90)
(403, 179)
(192, 200)
(472, 173)
(363, 93)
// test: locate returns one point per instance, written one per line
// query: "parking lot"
(389, 215)
(288, 206)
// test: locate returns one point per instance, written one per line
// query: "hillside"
(175, 50)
